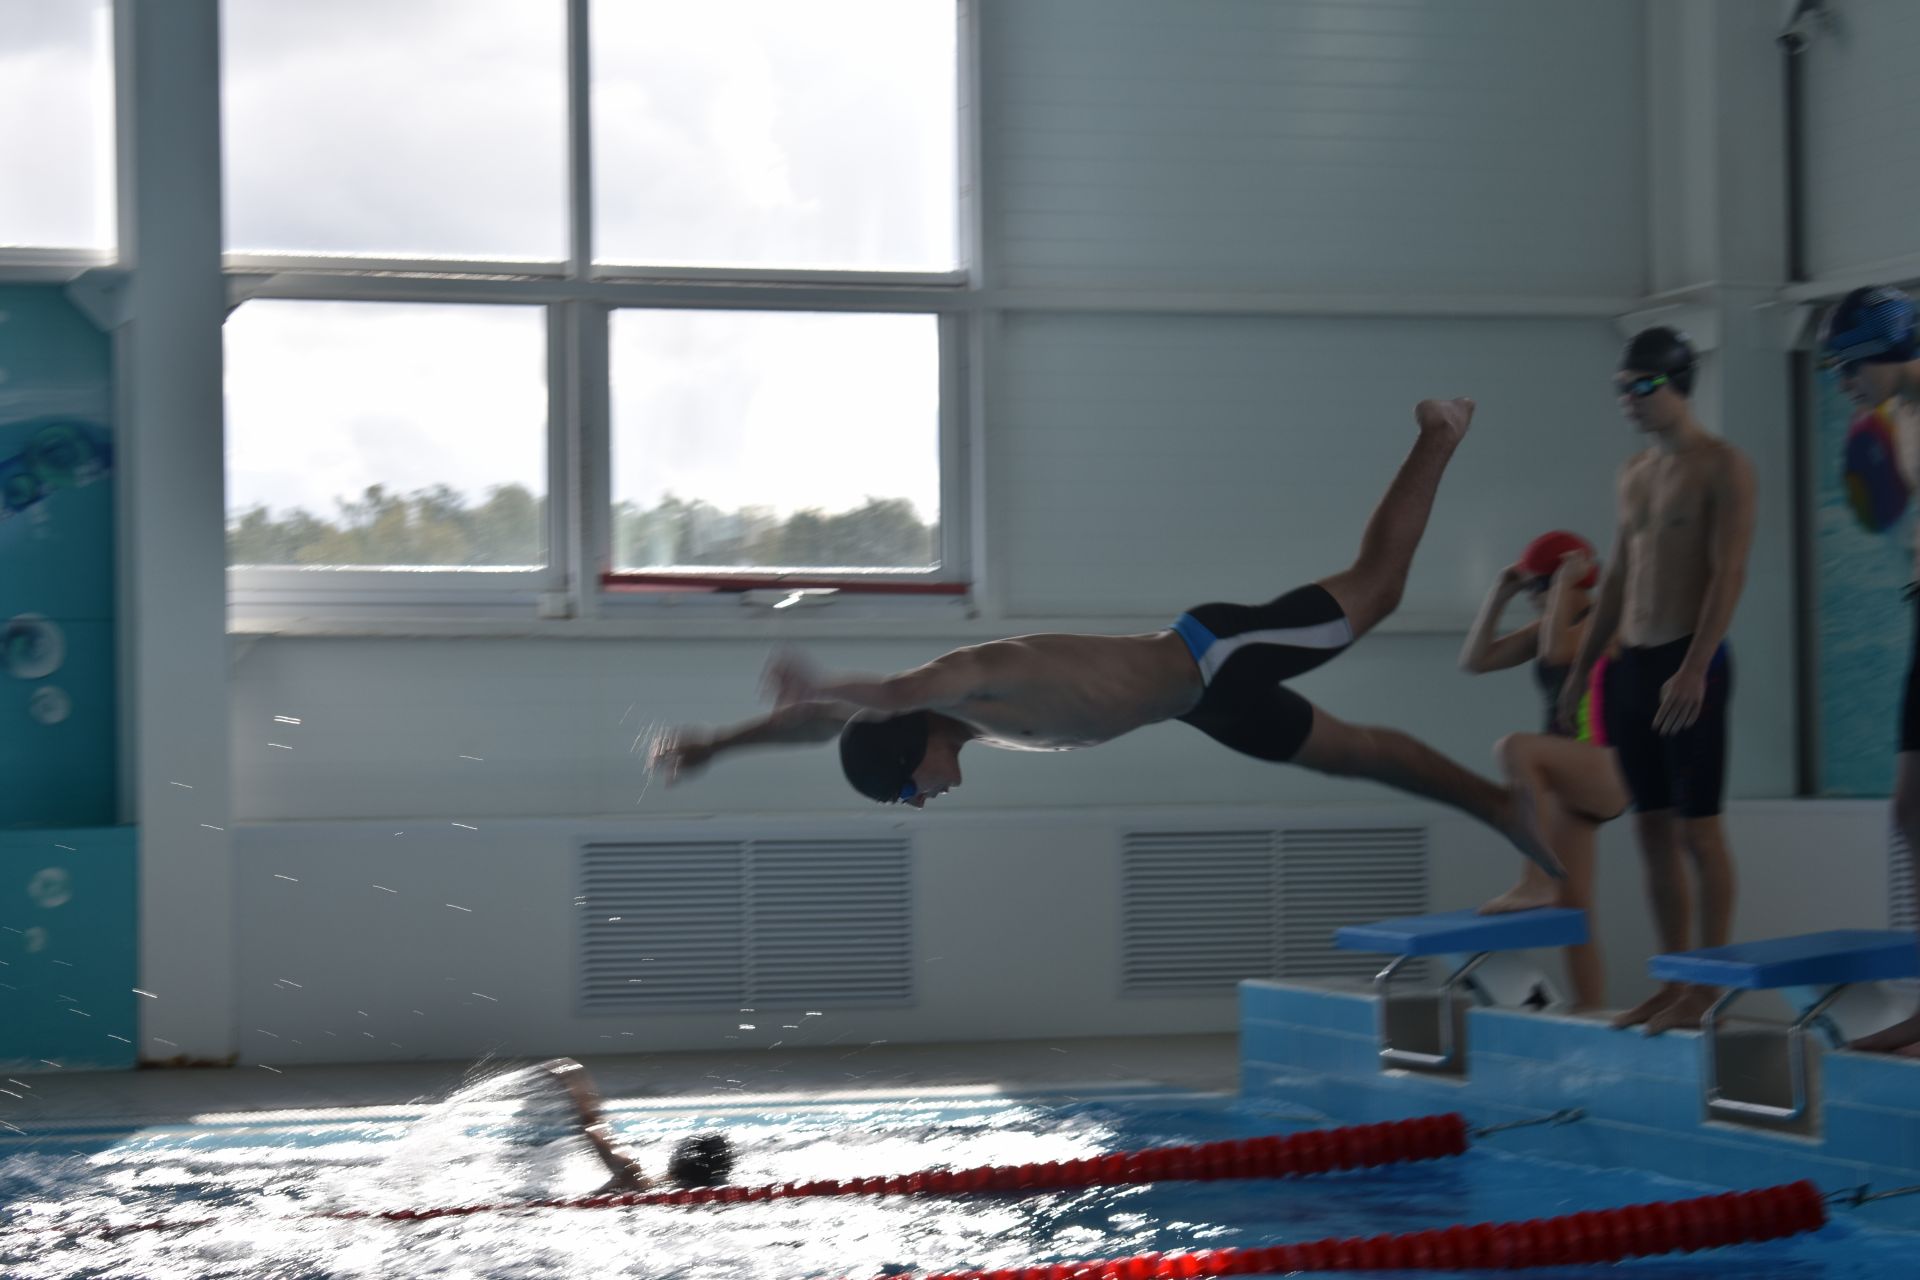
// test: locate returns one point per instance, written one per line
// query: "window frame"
(579, 296)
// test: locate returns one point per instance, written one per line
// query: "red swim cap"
(1544, 554)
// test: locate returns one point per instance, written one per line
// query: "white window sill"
(947, 620)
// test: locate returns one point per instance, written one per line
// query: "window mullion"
(592, 525)
(560, 590)
(579, 141)
(956, 555)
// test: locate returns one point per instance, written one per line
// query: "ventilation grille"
(1201, 910)
(1196, 910)
(1335, 876)
(1900, 904)
(832, 922)
(729, 924)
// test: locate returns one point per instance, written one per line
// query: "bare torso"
(1055, 692)
(1667, 511)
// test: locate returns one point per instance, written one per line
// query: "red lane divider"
(1608, 1235)
(1284, 1156)
(1288, 1156)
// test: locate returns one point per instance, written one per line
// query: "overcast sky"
(726, 132)
(56, 124)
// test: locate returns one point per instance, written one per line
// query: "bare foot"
(1445, 419)
(1523, 828)
(1901, 1037)
(1533, 891)
(1684, 1012)
(1647, 1008)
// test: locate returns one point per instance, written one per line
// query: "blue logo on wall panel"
(67, 954)
(58, 721)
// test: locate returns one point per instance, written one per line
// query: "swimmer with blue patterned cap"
(1871, 340)
(1221, 668)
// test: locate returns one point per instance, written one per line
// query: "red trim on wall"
(657, 582)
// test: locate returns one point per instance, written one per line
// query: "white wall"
(1354, 146)
(1017, 928)
(1156, 462)
(1863, 107)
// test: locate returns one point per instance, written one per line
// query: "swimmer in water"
(703, 1160)
(1220, 668)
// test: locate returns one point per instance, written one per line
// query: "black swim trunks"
(1686, 771)
(1245, 651)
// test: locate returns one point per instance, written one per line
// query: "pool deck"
(1316, 1045)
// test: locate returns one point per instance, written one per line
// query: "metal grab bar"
(1449, 1051)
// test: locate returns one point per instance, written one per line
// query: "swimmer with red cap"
(1565, 768)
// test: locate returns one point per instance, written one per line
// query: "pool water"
(255, 1179)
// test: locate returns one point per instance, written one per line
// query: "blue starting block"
(1454, 933)
(1823, 964)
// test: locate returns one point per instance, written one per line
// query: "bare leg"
(1371, 589)
(1670, 898)
(1706, 844)
(1576, 780)
(1405, 763)
(1573, 839)
(1902, 1037)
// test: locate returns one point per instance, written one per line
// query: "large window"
(368, 433)
(573, 296)
(769, 133)
(396, 128)
(56, 125)
(775, 440)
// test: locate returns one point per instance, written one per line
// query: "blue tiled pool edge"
(1316, 1046)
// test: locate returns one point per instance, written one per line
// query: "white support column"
(1716, 154)
(173, 573)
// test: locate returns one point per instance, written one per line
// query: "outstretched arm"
(1484, 651)
(681, 753)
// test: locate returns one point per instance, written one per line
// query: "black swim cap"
(1662, 350)
(1874, 325)
(703, 1160)
(879, 756)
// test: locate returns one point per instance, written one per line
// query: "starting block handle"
(1717, 1103)
(1449, 1051)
